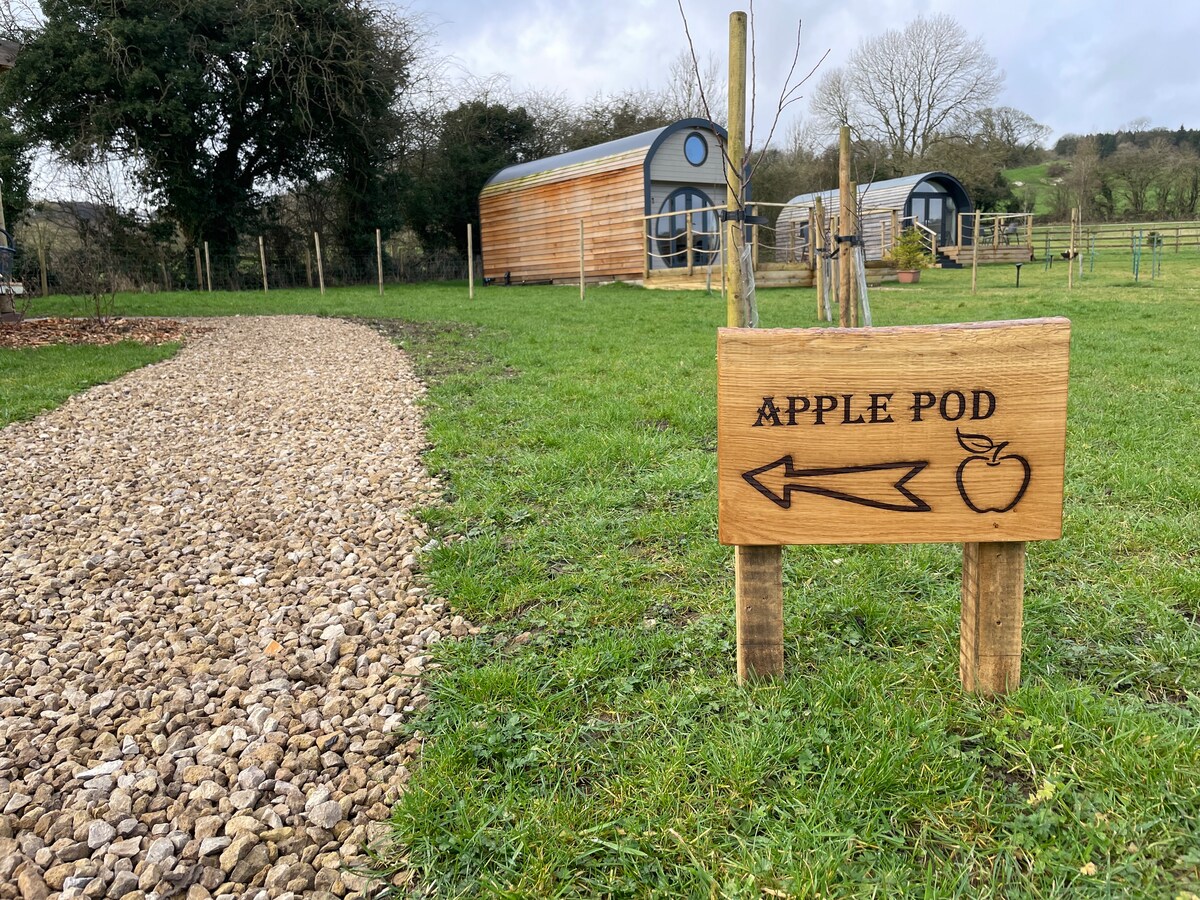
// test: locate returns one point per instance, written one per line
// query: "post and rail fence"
(51, 261)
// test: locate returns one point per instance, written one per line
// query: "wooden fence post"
(645, 250)
(816, 237)
(691, 257)
(379, 258)
(41, 251)
(208, 266)
(1071, 250)
(320, 263)
(974, 250)
(470, 262)
(993, 590)
(262, 259)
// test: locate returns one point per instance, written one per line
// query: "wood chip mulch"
(44, 332)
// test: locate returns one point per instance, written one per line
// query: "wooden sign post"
(939, 433)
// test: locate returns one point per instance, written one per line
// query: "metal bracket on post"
(740, 215)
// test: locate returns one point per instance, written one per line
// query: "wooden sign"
(934, 433)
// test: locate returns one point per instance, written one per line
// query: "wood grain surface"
(919, 434)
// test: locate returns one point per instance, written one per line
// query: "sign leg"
(758, 574)
(993, 597)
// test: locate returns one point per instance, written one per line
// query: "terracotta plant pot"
(908, 276)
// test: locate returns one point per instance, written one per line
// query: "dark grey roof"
(647, 139)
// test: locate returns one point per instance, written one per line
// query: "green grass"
(592, 740)
(1034, 177)
(37, 379)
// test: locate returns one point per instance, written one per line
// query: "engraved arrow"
(783, 478)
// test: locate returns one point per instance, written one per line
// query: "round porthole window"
(695, 148)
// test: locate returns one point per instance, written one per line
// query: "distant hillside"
(1033, 187)
(1108, 142)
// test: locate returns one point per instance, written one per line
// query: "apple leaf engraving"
(979, 444)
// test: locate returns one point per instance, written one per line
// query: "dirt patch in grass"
(1189, 614)
(437, 349)
(51, 331)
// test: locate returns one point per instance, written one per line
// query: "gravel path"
(209, 628)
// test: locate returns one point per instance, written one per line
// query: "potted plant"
(909, 256)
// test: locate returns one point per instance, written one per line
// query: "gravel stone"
(128, 847)
(212, 626)
(325, 815)
(99, 834)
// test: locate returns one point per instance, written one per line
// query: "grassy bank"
(592, 740)
(34, 380)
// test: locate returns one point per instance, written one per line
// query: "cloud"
(1073, 66)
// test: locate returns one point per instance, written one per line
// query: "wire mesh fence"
(79, 263)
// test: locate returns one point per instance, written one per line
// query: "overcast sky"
(1074, 66)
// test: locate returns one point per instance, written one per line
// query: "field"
(1033, 178)
(592, 741)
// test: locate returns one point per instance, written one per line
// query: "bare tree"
(1084, 179)
(905, 88)
(16, 16)
(789, 91)
(688, 85)
(102, 244)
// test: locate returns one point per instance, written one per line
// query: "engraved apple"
(987, 481)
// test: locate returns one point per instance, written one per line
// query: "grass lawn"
(33, 380)
(592, 741)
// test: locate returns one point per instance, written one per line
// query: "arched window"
(670, 231)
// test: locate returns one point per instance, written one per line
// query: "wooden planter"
(908, 276)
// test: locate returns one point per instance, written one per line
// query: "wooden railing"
(1174, 236)
(928, 237)
(996, 229)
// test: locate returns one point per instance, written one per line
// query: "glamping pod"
(934, 199)
(530, 213)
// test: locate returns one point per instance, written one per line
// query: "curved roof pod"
(895, 193)
(614, 154)
(531, 213)
(938, 198)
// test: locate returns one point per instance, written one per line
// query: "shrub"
(909, 251)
